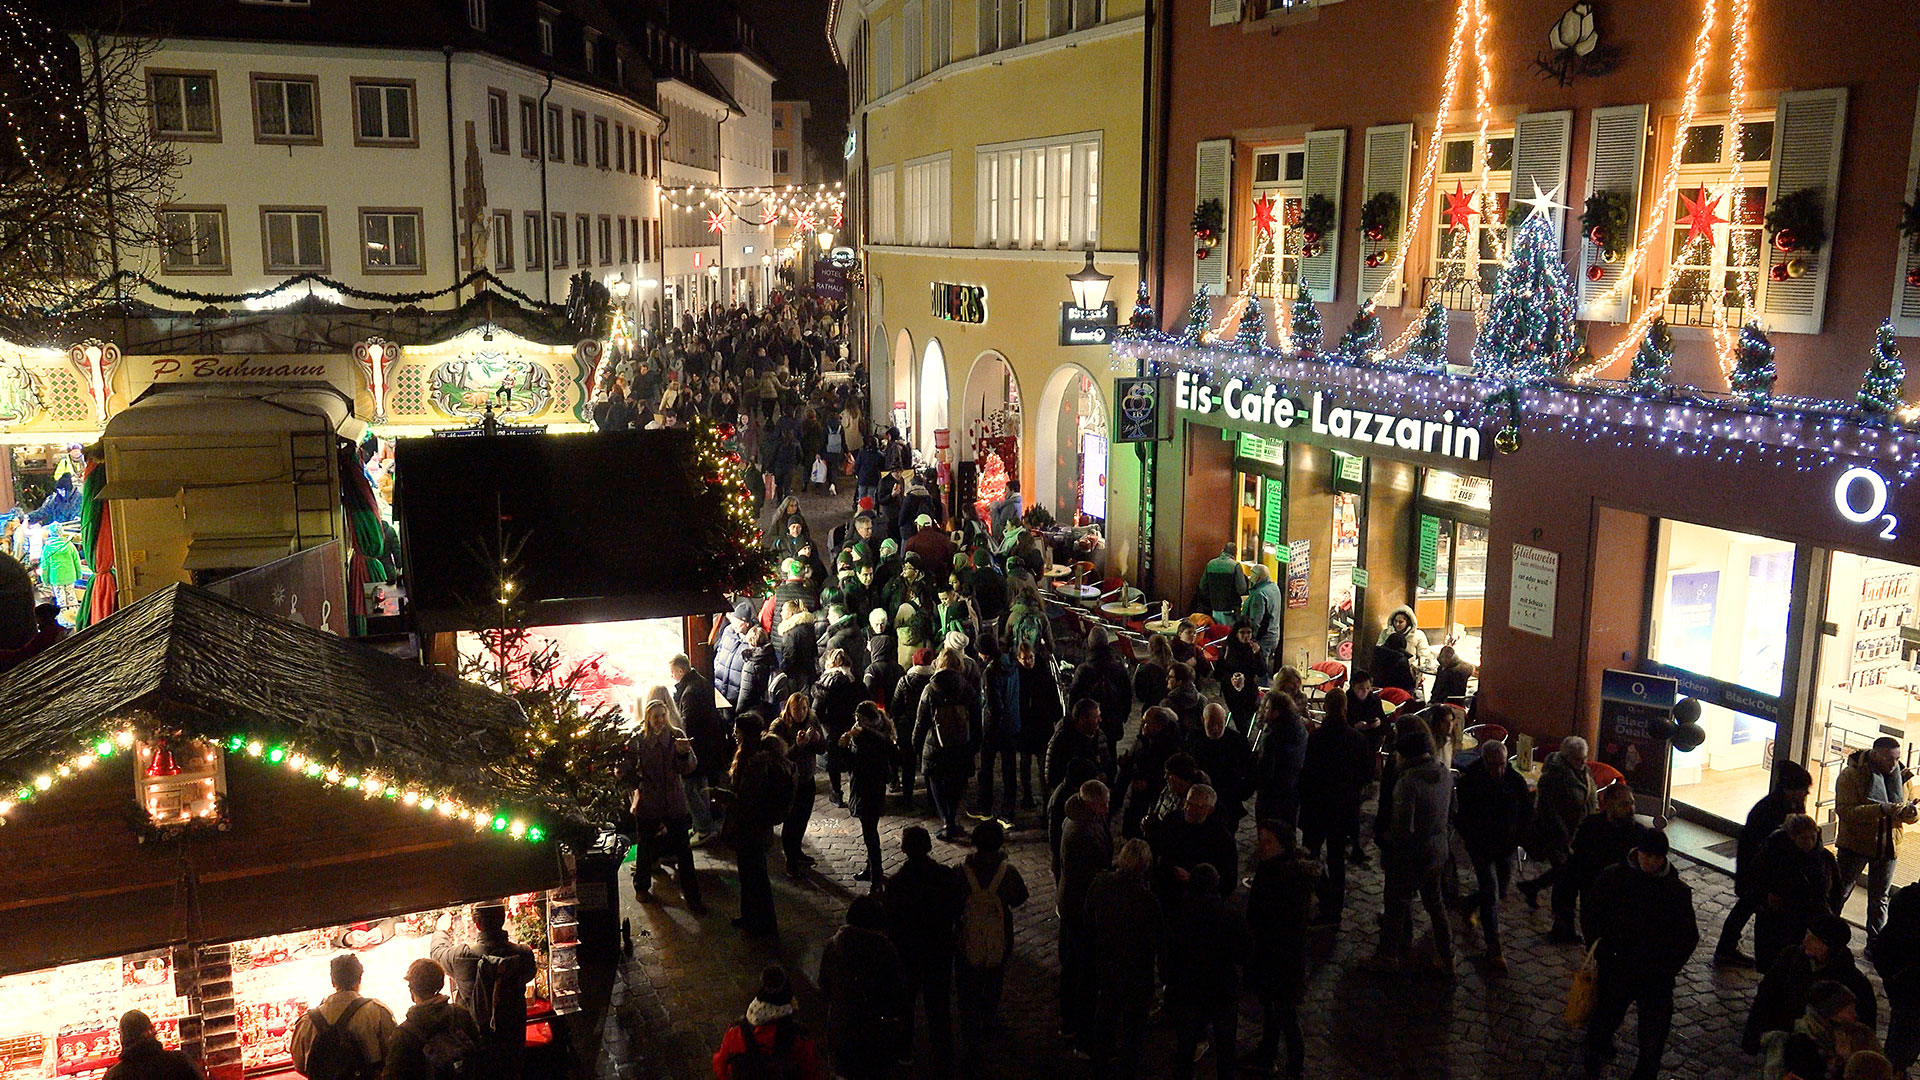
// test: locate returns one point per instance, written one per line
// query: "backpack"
(491, 995)
(753, 1063)
(950, 727)
(334, 1054)
(983, 925)
(447, 1050)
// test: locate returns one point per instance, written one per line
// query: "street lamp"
(826, 241)
(1089, 286)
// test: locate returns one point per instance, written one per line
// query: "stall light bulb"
(277, 754)
(350, 782)
(84, 761)
(6, 808)
(43, 782)
(64, 772)
(518, 829)
(409, 798)
(426, 803)
(333, 776)
(375, 787)
(536, 834)
(311, 769)
(499, 824)
(254, 748)
(296, 762)
(124, 740)
(103, 747)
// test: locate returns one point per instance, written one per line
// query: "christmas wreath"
(1208, 219)
(1605, 223)
(1316, 218)
(1380, 216)
(1798, 221)
(1910, 221)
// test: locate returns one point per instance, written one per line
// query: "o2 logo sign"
(1861, 496)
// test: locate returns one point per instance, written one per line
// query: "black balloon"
(1689, 736)
(1687, 710)
(1662, 727)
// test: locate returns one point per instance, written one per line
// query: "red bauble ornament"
(1594, 272)
(1598, 234)
(1786, 240)
(1779, 272)
(1309, 237)
(1913, 278)
(1375, 233)
(727, 431)
(1310, 251)
(1373, 260)
(1201, 253)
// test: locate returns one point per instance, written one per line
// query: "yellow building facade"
(995, 143)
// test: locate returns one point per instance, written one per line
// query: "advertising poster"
(1299, 573)
(1629, 704)
(1686, 641)
(1536, 578)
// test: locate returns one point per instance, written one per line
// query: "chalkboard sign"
(1429, 550)
(1630, 704)
(1273, 517)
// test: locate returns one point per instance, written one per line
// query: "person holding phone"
(1871, 803)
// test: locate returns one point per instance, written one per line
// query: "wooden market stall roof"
(297, 851)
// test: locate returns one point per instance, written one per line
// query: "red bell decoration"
(1786, 240)
(1913, 278)
(1598, 234)
(1375, 233)
(1373, 260)
(1201, 253)
(162, 763)
(1779, 272)
(1594, 272)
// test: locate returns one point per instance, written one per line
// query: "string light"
(1464, 16)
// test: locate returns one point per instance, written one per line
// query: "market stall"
(202, 803)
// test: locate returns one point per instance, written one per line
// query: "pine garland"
(98, 290)
(1886, 375)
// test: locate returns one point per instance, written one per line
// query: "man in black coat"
(1197, 836)
(1127, 931)
(1223, 754)
(1825, 955)
(1792, 783)
(1493, 807)
(1103, 678)
(1603, 840)
(1641, 914)
(712, 741)
(1079, 735)
(1086, 848)
(1207, 941)
(143, 1058)
(1333, 784)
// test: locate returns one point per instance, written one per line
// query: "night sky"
(793, 34)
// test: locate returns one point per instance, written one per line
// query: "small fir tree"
(1144, 318)
(1886, 375)
(1362, 338)
(1306, 324)
(1199, 317)
(1653, 363)
(1753, 370)
(1529, 334)
(1429, 347)
(1252, 335)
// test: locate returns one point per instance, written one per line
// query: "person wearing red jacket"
(773, 1029)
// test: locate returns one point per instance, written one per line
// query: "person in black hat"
(1789, 796)
(143, 1058)
(1826, 955)
(1640, 915)
(769, 1029)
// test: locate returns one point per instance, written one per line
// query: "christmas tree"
(992, 487)
(1529, 332)
(1362, 338)
(1252, 336)
(1199, 317)
(1886, 375)
(1306, 324)
(1144, 318)
(1429, 348)
(1652, 365)
(1753, 371)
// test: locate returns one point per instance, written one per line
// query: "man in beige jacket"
(1871, 802)
(369, 1028)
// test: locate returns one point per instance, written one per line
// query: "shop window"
(1450, 560)
(180, 781)
(1713, 272)
(1280, 176)
(1720, 606)
(1349, 533)
(1470, 208)
(1869, 664)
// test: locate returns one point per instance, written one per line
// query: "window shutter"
(1806, 154)
(1541, 144)
(1906, 299)
(1212, 179)
(1389, 162)
(1222, 12)
(1616, 151)
(1325, 171)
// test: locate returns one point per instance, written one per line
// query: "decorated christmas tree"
(1306, 324)
(1252, 335)
(1144, 318)
(1652, 365)
(1529, 333)
(1362, 338)
(1886, 375)
(992, 486)
(1429, 347)
(1199, 317)
(1753, 370)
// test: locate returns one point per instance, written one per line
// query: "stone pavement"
(689, 978)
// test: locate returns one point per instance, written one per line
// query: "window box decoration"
(1798, 222)
(1605, 224)
(1316, 221)
(1208, 219)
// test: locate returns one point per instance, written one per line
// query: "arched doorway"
(933, 397)
(1070, 466)
(989, 407)
(902, 407)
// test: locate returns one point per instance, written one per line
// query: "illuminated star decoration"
(1263, 215)
(804, 221)
(1460, 208)
(717, 221)
(1702, 215)
(839, 218)
(1543, 203)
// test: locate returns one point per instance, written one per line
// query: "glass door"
(1869, 680)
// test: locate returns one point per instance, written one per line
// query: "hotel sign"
(1267, 408)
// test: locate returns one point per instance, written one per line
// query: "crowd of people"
(908, 653)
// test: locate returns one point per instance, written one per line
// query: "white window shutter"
(1541, 143)
(1807, 128)
(1388, 163)
(1213, 179)
(1222, 12)
(1616, 152)
(1325, 172)
(1906, 298)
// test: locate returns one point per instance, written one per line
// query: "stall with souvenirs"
(191, 847)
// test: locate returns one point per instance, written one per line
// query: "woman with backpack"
(800, 732)
(994, 889)
(769, 1041)
(871, 752)
(1000, 726)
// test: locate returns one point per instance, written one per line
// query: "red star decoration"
(1263, 215)
(1702, 215)
(839, 218)
(1460, 209)
(717, 221)
(804, 221)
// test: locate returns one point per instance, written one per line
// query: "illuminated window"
(1720, 266)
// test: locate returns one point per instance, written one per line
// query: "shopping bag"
(1580, 996)
(819, 470)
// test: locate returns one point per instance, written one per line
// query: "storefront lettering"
(213, 367)
(1237, 401)
(1861, 496)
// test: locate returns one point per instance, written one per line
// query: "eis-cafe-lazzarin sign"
(1268, 408)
